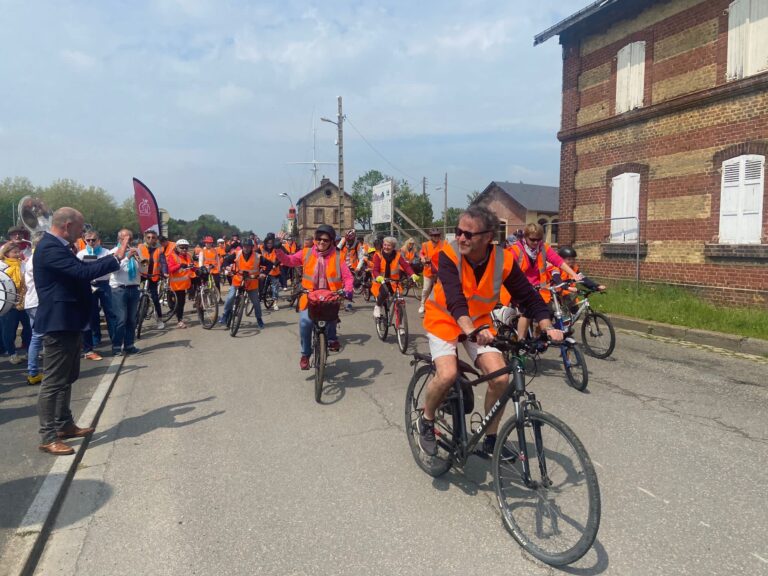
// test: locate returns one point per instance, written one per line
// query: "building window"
(625, 207)
(319, 216)
(553, 228)
(630, 77)
(335, 215)
(741, 200)
(747, 38)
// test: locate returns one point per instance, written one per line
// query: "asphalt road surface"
(212, 457)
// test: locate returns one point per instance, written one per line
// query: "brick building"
(321, 206)
(665, 119)
(516, 204)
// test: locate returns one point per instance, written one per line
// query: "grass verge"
(673, 305)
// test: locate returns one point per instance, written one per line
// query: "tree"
(453, 218)
(362, 192)
(472, 198)
(11, 191)
(417, 207)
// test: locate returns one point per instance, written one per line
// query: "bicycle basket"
(417, 266)
(323, 305)
(202, 272)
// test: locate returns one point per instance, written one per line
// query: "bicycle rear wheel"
(237, 314)
(598, 335)
(269, 300)
(367, 292)
(320, 355)
(414, 407)
(167, 304)
(401, 326)
(575, 368)
(407, 287)
(141, 314)
(555, 514)
(208, 308)
(382, 322)
(249, 308)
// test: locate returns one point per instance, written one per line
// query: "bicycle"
(322, 309)
(597, 333)
(393, 309)
(265, 293)
(206, 301)
(242, 301)
(362, 283)
(544, 480)
(409, 284)
(146, 311)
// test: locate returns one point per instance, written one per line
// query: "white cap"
(182, 242)
(219, 240)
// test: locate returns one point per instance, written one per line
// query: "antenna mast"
(314, 162)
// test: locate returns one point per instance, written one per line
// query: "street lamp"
(339, 123)
(291, 212)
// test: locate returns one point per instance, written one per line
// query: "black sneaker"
(427, 441)
(489, 444)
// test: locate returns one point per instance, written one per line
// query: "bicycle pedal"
(482, 454)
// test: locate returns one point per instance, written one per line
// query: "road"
(212, 457)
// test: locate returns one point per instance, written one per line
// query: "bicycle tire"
(141, 314)
(593, 335)
(237, 314)
(169, 302)
(367, 292)
(576, 368)
(401, 326)
(321, 354)
(382, 323)
(407, 287)
(414, 407)
(565, 500)
(249, 308)
(207, 309)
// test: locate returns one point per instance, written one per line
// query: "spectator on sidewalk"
(102, 297)
(125, 296)
(21, 234)
(34, 375)
(64, 290)
(10, 254)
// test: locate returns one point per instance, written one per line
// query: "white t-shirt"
(99, 252)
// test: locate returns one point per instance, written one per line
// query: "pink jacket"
(532, 273)
(297, 259)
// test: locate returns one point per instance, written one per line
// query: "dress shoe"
(57, 448)
(73, 431)
(304, 363)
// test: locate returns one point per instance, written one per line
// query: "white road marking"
(760, 558)
(651, 494)
(596, 463)
(705, 524)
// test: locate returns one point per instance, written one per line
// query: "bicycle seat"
(419, 357)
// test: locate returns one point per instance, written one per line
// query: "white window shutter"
(625, 203)
(730, 190)
(751, 206)
(738, 38)
(632, 206)
(618, 202)
(757, 56)
(637, 75)
(623, 68)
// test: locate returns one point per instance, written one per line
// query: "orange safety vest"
(210, 260)
(394, 273)
(430, 251)
(541, 264)
(144, 254)
(481, 297)
(408, 254)
(221, 251)
(332, 273)
(354, 257)
(243, 265)
(290, 247)
(272, 257)
(80, 244)
(170, 247)
(181, 279)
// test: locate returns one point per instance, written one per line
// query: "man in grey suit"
(63, 285)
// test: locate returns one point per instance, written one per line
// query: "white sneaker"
(22, 356)
(276, 307)
(377, 311)
(15, 359)
(421, 310)
(160, 325)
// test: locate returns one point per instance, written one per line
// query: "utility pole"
(424, 185)
(445, 213)
(340, 143)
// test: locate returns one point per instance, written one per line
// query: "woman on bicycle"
(471, 272)
(180, 277)
(247, 261)
(387, 266)
(268, 253)
(323, 269)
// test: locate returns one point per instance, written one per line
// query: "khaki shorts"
(439, 347)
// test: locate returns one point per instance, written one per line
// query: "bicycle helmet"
(326, 229)
(371, 249)
(182, 242)
(208, 239)
(248, 242)
(566, 252)
(269, 236)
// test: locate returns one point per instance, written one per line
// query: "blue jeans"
(102, 297)
(230, 302)
(35, 345)
(305, 332)
(10, 322)
(125, 304)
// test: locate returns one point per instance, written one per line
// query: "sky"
(209, 101)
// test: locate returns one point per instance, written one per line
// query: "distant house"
(321, 206)
(664, 141)
(517, 204)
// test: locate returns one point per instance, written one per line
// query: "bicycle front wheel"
(141, 314)
(401, 326)
(598, 335)
(321, 353)
(554, 514)
(575, 368)
(208, 308)
(414, 407)
(237, 314)
(382, 322)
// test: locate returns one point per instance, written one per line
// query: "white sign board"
(381, 203)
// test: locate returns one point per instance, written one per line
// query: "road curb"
(26, 544)
(732, 342)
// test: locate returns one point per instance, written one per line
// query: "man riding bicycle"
(323, 269)
(471, 272)
(246, 261)
(387, 266)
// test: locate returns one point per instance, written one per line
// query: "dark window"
(319, 216)
(335, 215)
(554, 231)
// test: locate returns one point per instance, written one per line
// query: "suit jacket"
(63, 285)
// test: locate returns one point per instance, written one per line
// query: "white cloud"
(211, 102)
(77, 59)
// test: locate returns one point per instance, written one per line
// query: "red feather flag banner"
(146, 207)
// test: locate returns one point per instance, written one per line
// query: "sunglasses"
(183, 247)
(322, 239)
(468, 235)
(89, 240)
(534, 240)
